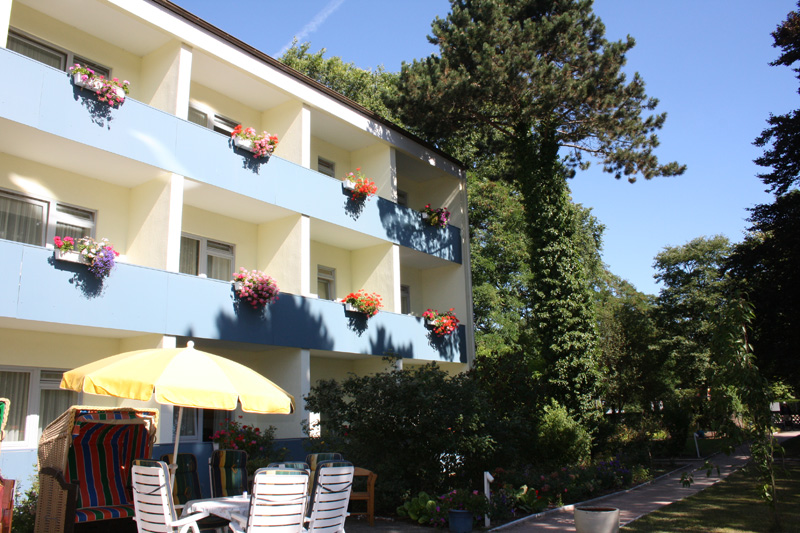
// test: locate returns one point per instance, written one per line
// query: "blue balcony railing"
(43, 98)
(36, 287)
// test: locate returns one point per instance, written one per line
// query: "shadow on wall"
(407, 228)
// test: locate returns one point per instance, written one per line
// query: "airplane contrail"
(312, 26)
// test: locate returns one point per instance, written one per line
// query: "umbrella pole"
(173, 466)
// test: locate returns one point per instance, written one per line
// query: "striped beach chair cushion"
(99, 462)
(228, 470)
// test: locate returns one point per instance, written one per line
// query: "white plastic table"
(223, 507)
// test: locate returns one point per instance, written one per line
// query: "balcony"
(45, 119)
(136, 300)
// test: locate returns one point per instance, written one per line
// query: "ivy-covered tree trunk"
(561, 304)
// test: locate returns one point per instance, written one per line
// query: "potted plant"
(361, 186)
(260, 144)
(111, 91)
(65, 250)
(463, 507)
(255, 287)
(100, 255)
(361, 302)
(442, 323)
(436, 217)
(259, 445)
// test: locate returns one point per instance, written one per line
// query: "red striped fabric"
(92, 514)
(100, 461)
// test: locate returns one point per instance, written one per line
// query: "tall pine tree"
(535, 83)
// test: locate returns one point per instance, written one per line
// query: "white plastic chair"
(152, 502)
(333, 481)
(278, 502)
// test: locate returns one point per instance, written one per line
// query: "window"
(36, 400)
(206, 258)
(188, 423)
(326, 282)
(35, 221)
(50, 54)
(405, 299)
(212, 121)
(326, 167)
(402, 198)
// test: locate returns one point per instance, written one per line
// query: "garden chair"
(228, 472)
(187, 482)
(292, 465)
(152, 501)
(366, 495)
(278, 502)
(333, 482)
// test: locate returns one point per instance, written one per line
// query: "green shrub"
(24, 516)
(421, 509)
(419, 429)
(562, 440)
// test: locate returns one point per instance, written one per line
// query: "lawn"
(733, 505)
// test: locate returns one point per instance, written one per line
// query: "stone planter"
(71, 256)
(596, 520)
(459, 521)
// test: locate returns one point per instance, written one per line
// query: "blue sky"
(706, 61)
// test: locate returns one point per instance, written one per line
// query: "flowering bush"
(257, 288)
(437, 217)
(111, 91)
(365, 303)
(100, 256)
(363, 187)
(65, 245)
(263, 144)
(233, 435)
(442, 323)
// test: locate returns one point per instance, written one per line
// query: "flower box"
(70, 256)
(348, 185)
(350, 308)
(244, 144)
(94, 84)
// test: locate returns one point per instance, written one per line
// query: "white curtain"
(15, 386)
(220, 268)
(52, 403)
(190, 252)
(21, 221)
(39, 53)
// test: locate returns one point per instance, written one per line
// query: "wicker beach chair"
(85, 458)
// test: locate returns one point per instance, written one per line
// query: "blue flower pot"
(459, 521)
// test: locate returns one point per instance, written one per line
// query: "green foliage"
(24, 516)
(421, 509)
(781, 138)
(562, 441)
(418, 429)
(765, 265)
(365, 87)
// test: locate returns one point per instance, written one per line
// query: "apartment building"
(159, 177)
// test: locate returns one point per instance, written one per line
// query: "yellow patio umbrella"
(183, 377)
